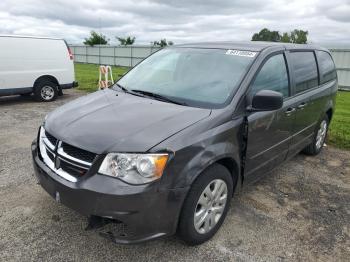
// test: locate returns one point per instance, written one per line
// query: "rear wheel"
(206, 205)
(318, 139)
(45, 91)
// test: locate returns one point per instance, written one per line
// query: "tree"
(267, 35)
(162, 43)
(126, 41)
(96, 39)
(299, 36)
(285, 38)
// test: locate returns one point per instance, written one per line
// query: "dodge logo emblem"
(57, 163)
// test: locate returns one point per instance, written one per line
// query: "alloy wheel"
(210, 206)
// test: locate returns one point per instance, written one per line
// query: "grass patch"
(87, 75)
(339, 130)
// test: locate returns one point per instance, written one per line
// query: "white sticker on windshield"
(240, 53)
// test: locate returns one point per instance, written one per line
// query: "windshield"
(192, 76)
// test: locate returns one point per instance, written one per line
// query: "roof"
(256, 46)
(27, 36)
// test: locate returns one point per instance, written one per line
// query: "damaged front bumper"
(147, 211)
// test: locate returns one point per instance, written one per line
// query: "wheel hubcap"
(210, 206)
(321, 134)
(47, 92)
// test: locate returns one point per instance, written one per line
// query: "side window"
(326, 66)
(305, 70)
(272, 76)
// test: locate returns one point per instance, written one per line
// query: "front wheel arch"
(229, 163)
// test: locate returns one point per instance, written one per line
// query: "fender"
(201, 147)
(188, 166)
(211, 155)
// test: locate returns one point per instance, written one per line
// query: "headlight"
(134, 168)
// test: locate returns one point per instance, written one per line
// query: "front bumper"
(146, 210)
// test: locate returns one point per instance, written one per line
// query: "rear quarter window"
(326, 65)
(305, 70)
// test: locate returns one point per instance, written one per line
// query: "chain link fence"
(130, 56)
(127, 56)
(342, 62)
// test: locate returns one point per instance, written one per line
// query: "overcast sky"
(180, 21)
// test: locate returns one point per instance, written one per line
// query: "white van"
(43, 66)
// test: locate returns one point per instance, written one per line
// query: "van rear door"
(304, 69)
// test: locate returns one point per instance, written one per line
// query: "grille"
(51, 156)
(73, 170)
(74, 162)
(78, 153)
(51, 138)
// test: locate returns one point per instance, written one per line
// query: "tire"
(318, 138)
(212, 177)
(45, 91)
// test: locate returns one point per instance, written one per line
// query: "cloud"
(340, 13)
(177, 20)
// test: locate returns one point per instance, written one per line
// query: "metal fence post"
(131, 54)
(114, 58)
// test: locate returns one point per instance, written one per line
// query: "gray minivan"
(166, 148)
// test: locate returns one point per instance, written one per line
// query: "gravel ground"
(299, 212)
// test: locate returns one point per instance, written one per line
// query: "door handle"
(289, 111)
(302, 105)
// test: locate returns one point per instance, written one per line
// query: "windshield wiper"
(158, 97)
(121, 87)
(128, 91)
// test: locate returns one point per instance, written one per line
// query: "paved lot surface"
(300, 212)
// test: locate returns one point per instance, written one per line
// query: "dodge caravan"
(167, 147)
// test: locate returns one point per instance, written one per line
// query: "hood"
(113, 121)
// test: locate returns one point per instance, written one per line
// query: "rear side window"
(272, 76)
(305, 70)
(327, 67)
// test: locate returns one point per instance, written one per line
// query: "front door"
(269, 133)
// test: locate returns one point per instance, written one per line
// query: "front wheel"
(318, 139)
(206, 205)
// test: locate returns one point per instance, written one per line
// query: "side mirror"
(267, 100)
